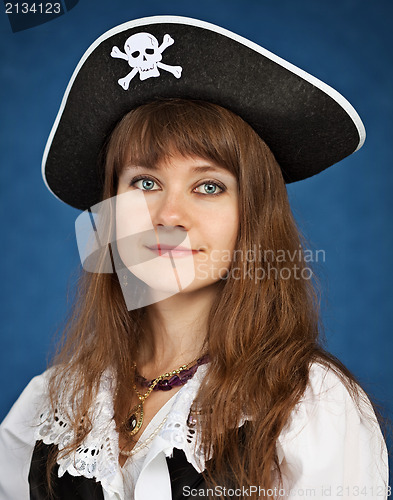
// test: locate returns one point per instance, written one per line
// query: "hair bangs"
(155, 132)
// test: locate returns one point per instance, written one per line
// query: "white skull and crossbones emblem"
(143, 54)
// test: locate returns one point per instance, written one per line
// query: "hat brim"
(307, 124)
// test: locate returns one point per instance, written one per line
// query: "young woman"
(192, 364)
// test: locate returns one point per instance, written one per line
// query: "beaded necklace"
(134, 420)
(180, 377)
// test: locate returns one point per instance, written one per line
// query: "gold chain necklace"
(145, 443)
(132, 424)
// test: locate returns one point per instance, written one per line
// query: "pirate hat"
(307, 124)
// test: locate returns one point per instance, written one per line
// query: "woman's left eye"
(210, 188)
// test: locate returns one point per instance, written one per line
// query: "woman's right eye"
(144, 183)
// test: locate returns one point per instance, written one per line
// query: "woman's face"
(177, 222)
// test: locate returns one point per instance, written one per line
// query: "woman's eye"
(144, 184)
(147, 184)
(209, 188)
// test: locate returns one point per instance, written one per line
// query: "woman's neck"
(178, 327)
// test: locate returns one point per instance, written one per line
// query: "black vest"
(68, 487)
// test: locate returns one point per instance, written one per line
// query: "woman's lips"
(169, 251)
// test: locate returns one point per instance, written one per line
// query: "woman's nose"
(171, 210)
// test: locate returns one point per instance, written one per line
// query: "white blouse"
(328, 449)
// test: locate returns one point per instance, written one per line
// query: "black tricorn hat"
(308, 125)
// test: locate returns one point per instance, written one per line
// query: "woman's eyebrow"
(209, 168)
(199, 169)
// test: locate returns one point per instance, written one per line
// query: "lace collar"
(97, 457)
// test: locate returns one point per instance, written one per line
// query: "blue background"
(345, 211)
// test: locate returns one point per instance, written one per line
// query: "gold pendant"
(134, 421)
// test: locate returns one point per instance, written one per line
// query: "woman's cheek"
(203, 257)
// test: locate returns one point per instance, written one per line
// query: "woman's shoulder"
(32, 397)
(327, 384)
(17, 437)
(331, 396)
(328, 387)
(333, 435)
(34, 392)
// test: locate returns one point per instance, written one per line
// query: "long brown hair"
(263, 331)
